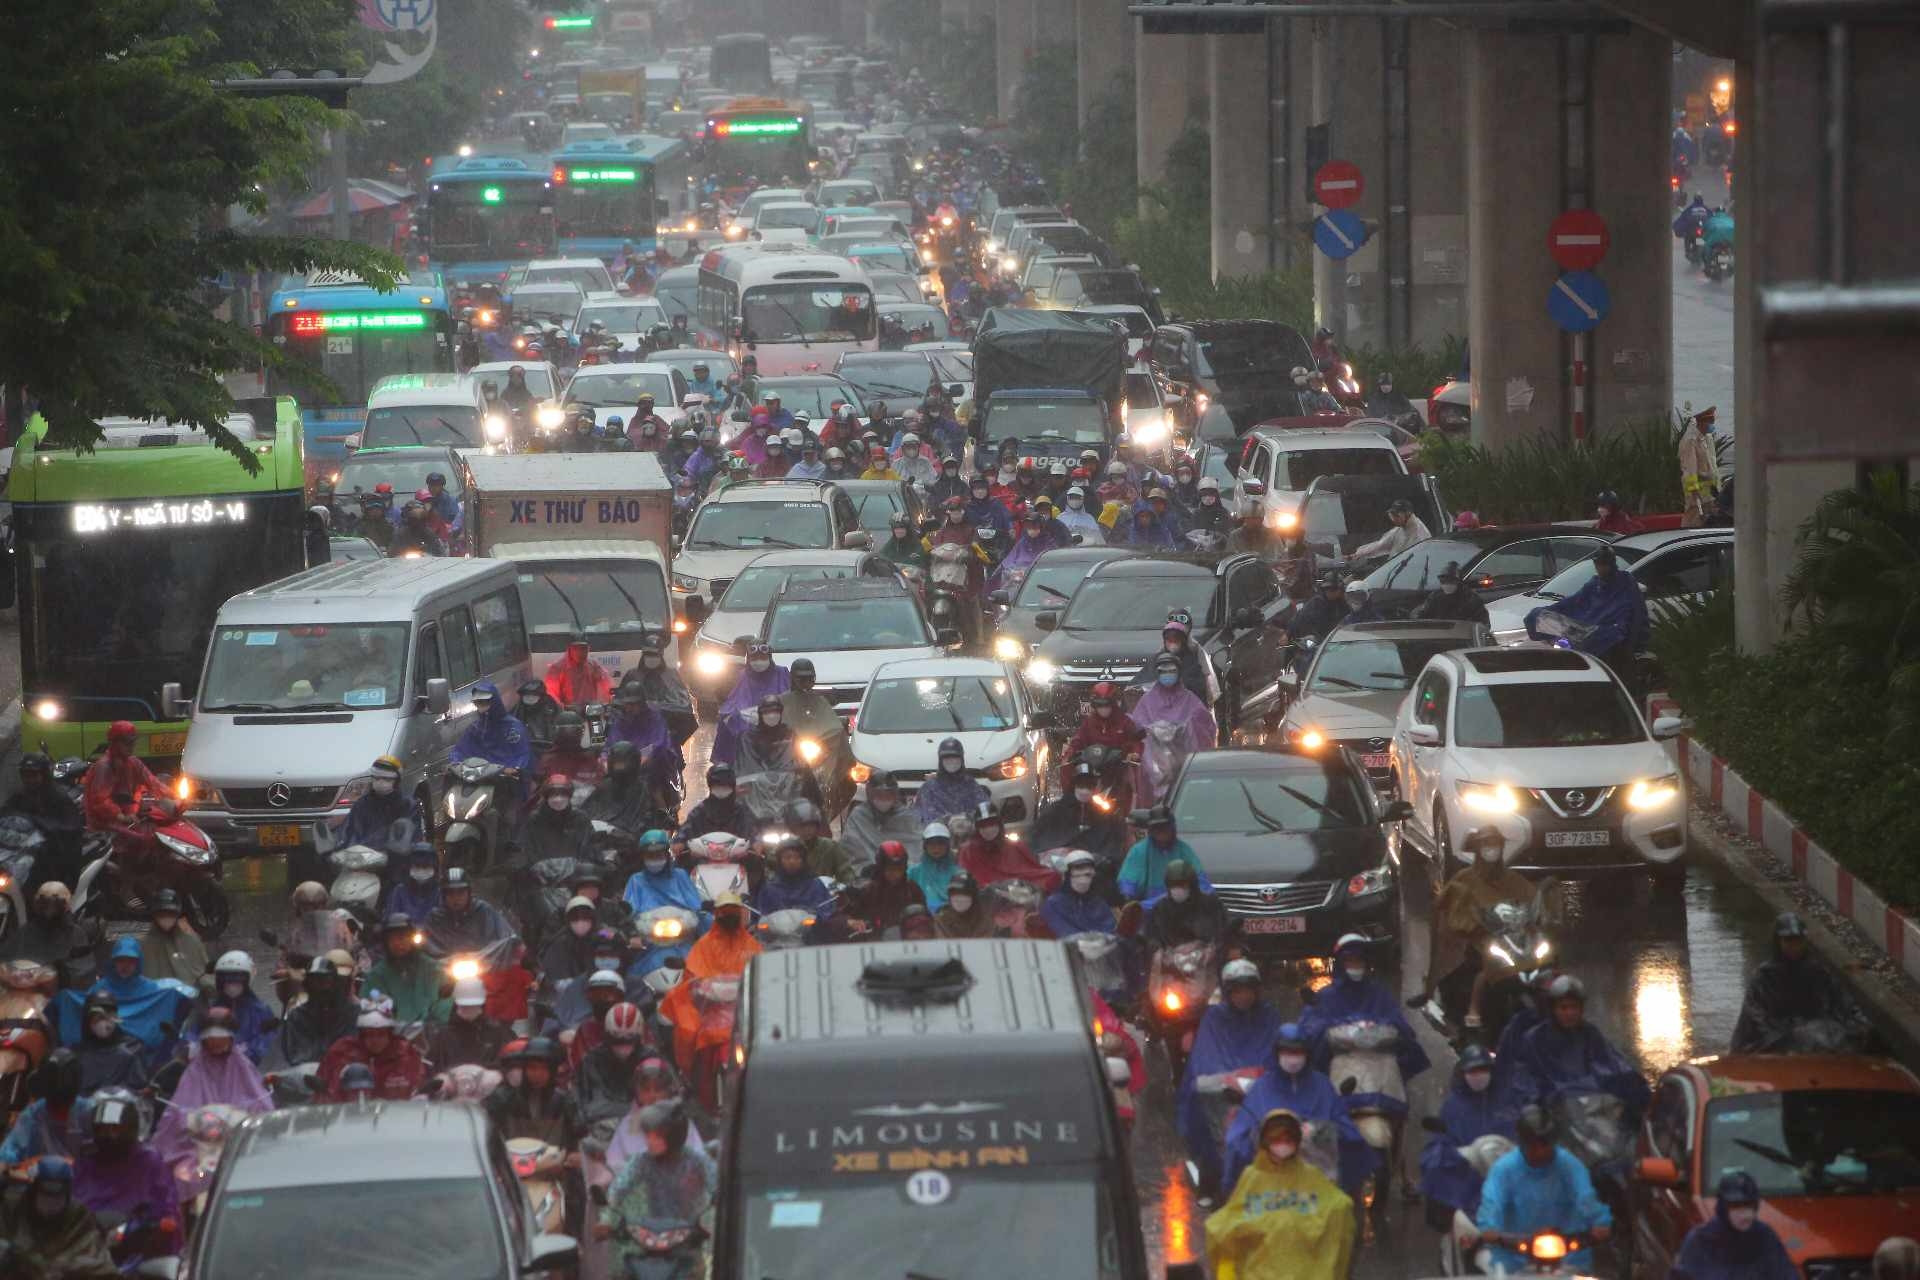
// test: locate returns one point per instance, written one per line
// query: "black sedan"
(1049, 583)
(1295, 845)
(1495, 562)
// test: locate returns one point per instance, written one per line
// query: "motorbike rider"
(1568, 1054)
(1460, 906)
(879, 817)
(659, 883)
(1169, 702)
(1283, 1215)
(416, 533)
(54, 815)
(1451, 601)
(537, 1107)
(118, 781)
(1537, 1187)
(1076, 906)
(1387, 403)
(556, 829)
(1356, 996)
(370, 820)
(1735, 1245)
(672, 1181)
(115, 1173)
(1405, 529)
(398, 1069)
(1320, 615)
(166, 949)
(810, 714)
(1475, 1107)
(776, 464)
(109, 1054)
(406, 975)
(982, 511)
(825, 855)
(1790, 989)
(936, 869)
(1691, 220)
(904, 546)
(1176, 638)
(53, 936)
(469, 1037)
(949, 483)
(603, 1072)
(45, 1125)
(1298, 1088)
(1143, 875)
(538, 711)
(837, 467)
(760, 678)
(252, 1022)
(568, 755)
(1612, 604)
(1235, 1033)
(47, 1234)
(498, 737)
(770, 747)
(150, 1008)
(417, 893)
(990, 855)
(1079, 522)
(878, 904)
(575, 680)
(1187, 912)
(951, 790)
(1082, 818)
(879, 465)
(703, 383)
(791, 884)
(328, 1013)
(722, 810)
(1613, 518)
(648, 432)
(463, 921)
(1716, 233)
(1103, 726)
(625, 799)
(966, 914)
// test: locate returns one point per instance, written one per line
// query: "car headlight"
(1378, 880)
(1008, 649)
(1283, 520)
(550, 417)
(1040, 671)
(1654, 793)
(690, 585)
(1009, 769)
(496, 427)
(1152, 431)
(354, 789)
(993, 246)
(1484, 797)
(1010, 264)
(710, 662)
(1307, 738)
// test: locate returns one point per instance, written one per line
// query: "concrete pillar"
(1241, 154)
(1349, 75)
(1012, 40)
(1517, 182)
(1163, 86)
(1436, 196)
(1103, 35)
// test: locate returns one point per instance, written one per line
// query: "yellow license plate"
(280, 837)
(166, 744)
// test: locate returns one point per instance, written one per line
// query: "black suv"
(1244, 366)
(1495, 562)
(1112, 627)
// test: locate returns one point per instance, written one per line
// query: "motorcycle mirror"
(1348, 1086)
(1432, 1124)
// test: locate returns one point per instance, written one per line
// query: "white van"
(425, 408)
(310, 679)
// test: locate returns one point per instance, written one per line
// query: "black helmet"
(1160, 816)
(356, 1076)
(669, 1120)
(1607, 498)
(801, 667)
(720, 775)
(881, 780)
(963, 882)
(1084, 770)
(1536, 1124)
(1180, 871)
(165, 901)
(1474, 1056)
(36, 762)
(1399, 507)
(58, 1077)
(533, 688)
(984, 812)
(1788, 924)
(627, 750)
(771, 702)
(951, 747)
(1330, 580)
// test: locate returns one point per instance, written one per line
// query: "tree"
(119, 158)
(1044, 112)
(418, 117)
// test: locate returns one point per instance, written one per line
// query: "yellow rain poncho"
(1284, 1221)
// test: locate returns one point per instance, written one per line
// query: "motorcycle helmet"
(669, 1120)
(543, 1049)
(387, 767)
(236, 963)
(1738, 1187)
(1488, 838)
(585, 874)
(1474, 1056)
(356, 1077)
(1180, 871)
(1078, 859)
(532, 689)
(1607, 498)
(116, 1111)
(469, 993)
(1536, 1124)
(53, 1174)
(720, 775)
(1788, 924)
(457, 879)
(309, 895)
(121, 731)
(963, 882)
(165, 902)
(35, 762)
(1159, 816)
(1105, 693)
(950, 749)
(801, 812)
(1239, 973)
(1290, 1038)
(624, 1023)
(800, 667)
(1567, 987)
(1330, 580)
(1166, 661)
(894, 854)
(984, 812)
(653, 840)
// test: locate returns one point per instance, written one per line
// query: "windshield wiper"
(1761, 1149)
(1344, 684)
(768, 540)
(1053, 591)
(1309, 801)
(316, 706)
(709, 542)
(242, 706)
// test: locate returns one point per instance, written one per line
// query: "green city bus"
(123, 555)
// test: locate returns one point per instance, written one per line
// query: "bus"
(764, 138)
(741, 63)
(608, 194)
(335, 325)
(124, 555)
(794, 309)
(485, 213)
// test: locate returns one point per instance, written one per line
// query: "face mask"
(1105, 713)
(232, 988)
(102, 1028)
(1356, 973)
(606, 964)
(383, 786)
(1293, 1063)
(1179, 893)
(1081, 881)
(1478, 1080)
(421, 875)
(960, 903)
(1083, 794)
(771, 720)
(1209, 500)
(581, 928)
(1741, 1218)
(1282, 1150)
(1006, 476)
(721, 793)
(469, 1012)
(559, 804)
(884, 804)
(1076, 503)
(651, 661)
(952, 764)
(1168, 679)
(759, 664)
(654, 866)
(1451, 588)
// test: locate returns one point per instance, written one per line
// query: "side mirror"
(1042, 719)
(1424, 735)
(673, 541)
(998, 597)
(552, 1253)
(855, 539)
(1658, 1171)
(172, 705)
(956, 390)
(1397, 811)
(1046, 621)
(694, 610)
(947, 637)
(1253, 488)
(1663, 727)
(439, 696)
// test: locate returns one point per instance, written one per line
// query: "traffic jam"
(779, 715)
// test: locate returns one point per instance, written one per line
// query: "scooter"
(1460, 1235)
(25, 1036)
(22, 844)
(159, 850)
(717, 864)
(1364, 1066)
(1719, 263)
(717, 999)
(193, 1172)
(661, 1248)
(541, 1167)
(1180, 982)
(475, 806)
(1517, 950)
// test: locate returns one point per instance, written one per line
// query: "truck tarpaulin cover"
(1020, 348)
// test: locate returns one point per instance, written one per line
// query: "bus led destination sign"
(161, 513)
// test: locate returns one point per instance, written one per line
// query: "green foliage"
(402, 123)
(1545, 478)
(255, 37)
(954, 67)
(1416, 370)
(1045, 108)
(1102, 186)
(119, 155)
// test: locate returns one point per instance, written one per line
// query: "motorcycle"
(1015, 906)
(479, 793)
(949, 591)
(1719, 263)
(1364, 1065)
(718, 856)
(1547, 1252)
(193, 1172)
(25, 1036)
(1693, 244)
(1113, 1052)
(1516, 951)
(158, 850)
(1180, 982)
(1459, 1234)
(541, 1168)
(660, 1249)
(717, 999)
(22, 844)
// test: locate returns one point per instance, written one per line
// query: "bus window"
(808, 313)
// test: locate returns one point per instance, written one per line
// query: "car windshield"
(624, 317)
(802, 216)
(874, 509)
(1142, 391)
(1138, 324)
(758, 584)
(1268, 800)
(595, 279)
(547, 304)
(1565, 713)
(1418, 568)
(927, 324)
(1072, 419)
(1374, 666)
(808, 313)
(612, 601)
(885, 622)
(953, 366)
(1574, 577)
(719, 367)
(887, 377)
(1304, 466)
(342, 666)
(1051, 583)
(738, 525)
(1242, 354)
(422, 424)
(416, 1229)
(938, 704)
(620, 390)
(813, 398)
(1054, 1227)
(896, 286)
(1129, 602)
(1816, 1142)
(888, 257)
(407, 472)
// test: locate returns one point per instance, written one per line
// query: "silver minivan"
(310, 679)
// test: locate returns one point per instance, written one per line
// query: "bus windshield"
(353, 362)
(490, 221)
(775, 158)
(808, 313)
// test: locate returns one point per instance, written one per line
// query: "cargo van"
(894, 1102)
(310, 679)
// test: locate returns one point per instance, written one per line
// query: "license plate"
(1579, 839)
(166, 744)
(1275, 924)
(282, 836)
(1374, 760)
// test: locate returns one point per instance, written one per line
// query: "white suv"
(1544, 745)
(1286, 460)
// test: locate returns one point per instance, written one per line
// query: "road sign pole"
(1579, 388)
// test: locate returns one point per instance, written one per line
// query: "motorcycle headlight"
(1542, 949)
(710, 662)
(463, 968)
(550, 418)
(496, 427)
(1484, 797)
(809, 749)
(191, 852)
(1151, 432)
(1654, 793)
(1040, 671)
(1008, 649)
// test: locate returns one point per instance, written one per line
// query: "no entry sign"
(1338, 184)
(1578, 239)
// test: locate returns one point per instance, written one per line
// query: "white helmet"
(936, 831)
(469, 992)
(235, 962)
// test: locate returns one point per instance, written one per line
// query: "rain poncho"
(179, 954)
(253, 1022)
(720, 953)
(1312, 1097)
(1363, 1001)
(121, 1061)
(603, 1082)
(370, 821)
(739, 710)
(1715, 1251)
(575, 684)
(1284, 1221)
(138, 1180)
(944, 795)
(976, 923)
(1445, 1176)
(498, 737)
(880, 902)
(1201, 918)
(988, 513)
(39, 1132)
(478, 927)
(311, 1028)
(413, 984)
(1612, 606)
(414, 901)
(1226, 1040)
(1143, 875)
(667, 1190)
(1552, 1061)
(1004, 858)
(1068, 824)
(228, 1079)
(1092, 533)
(630, 1141)
(649, 732)
(782, 892)
(865, 829)
(669, 887)
(148, 1006)
(1181, 706)
(1784, 994)
(624, 802)
(933, 875)
(69, 1246)
(1025, 550)
(1519, 1199)
(712, 814)
(550, 835)
(1068, 913)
